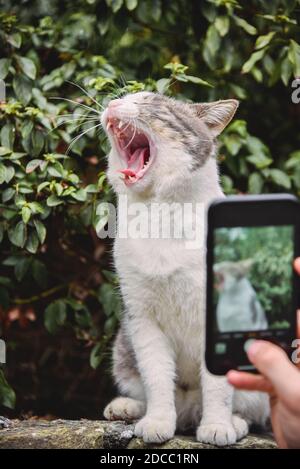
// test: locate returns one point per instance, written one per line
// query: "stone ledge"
(93, 434)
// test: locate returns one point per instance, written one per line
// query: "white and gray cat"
(163, 150)
(238, 307)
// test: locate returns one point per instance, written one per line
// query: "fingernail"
(255, 348)
(232, 374)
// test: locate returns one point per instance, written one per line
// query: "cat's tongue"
(135, 162)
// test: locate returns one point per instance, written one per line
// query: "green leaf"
(55, 316)
(17, 234)
(37, 139)
(7, 394)
(108, 296)
(255, 57)
(6, 281)
(26, 128)
(212, 40)
(286, 71)
(96, 356)
(255, 183)
(43, 185)
(41, 230)
(59, 188)
(28, 67)
(21, 267)
(131, 4)
(222, 24)
(2, 173)
(294, 57)
(245, 25)
(7, 135)
(114, 4)
(33, 165)
(4, 67)
(36, 207)
(256, 146)
(227, 184)
(11, 261)
(198, 81)
(8, 194)
(53, 201)
(263, 41)
(80, 195)
(163, 84)
(23, 88)
(10, 172)
(294, 160)
(233, 143)
(280, 178)
(15, 40)
(39, 273)
(26, 214)
(32, 243)
(260, 161)
(5, 151)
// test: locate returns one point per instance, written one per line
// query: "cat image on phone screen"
(238, 306)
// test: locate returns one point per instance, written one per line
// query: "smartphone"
(252, 289)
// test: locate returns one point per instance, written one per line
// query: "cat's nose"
(114, 103)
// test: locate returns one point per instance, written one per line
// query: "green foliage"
(7, 395)
(50, 184)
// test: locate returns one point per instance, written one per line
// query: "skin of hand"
(280, 378)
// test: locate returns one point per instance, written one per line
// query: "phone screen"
(253, 272)
(251, 285)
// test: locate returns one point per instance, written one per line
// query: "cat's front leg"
(218, 425)
(156, 365)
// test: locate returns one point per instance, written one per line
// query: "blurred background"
(270, 252)
(59, 303)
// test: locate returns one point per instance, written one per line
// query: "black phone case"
(248, 210)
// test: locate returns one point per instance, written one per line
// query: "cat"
(164, 150)
(238, 307)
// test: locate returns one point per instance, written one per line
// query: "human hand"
(281, 380)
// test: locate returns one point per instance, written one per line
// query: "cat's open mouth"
(134, 146)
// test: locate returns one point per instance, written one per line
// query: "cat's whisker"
(80, 135)
(70, 114)
(87, 94)
(78, 104)
(92, 119)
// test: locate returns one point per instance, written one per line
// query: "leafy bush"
(54, 268)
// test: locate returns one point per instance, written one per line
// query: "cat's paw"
(124, 408)
(241, 426)
(155, 430)
(219, 434)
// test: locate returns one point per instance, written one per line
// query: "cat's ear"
(217, 114)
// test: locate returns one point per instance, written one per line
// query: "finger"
(274, 364)
(249, 381)
(297, 265)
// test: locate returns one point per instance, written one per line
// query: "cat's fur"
(158, 353)
(238, 308)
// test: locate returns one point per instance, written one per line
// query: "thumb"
(273, 363)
